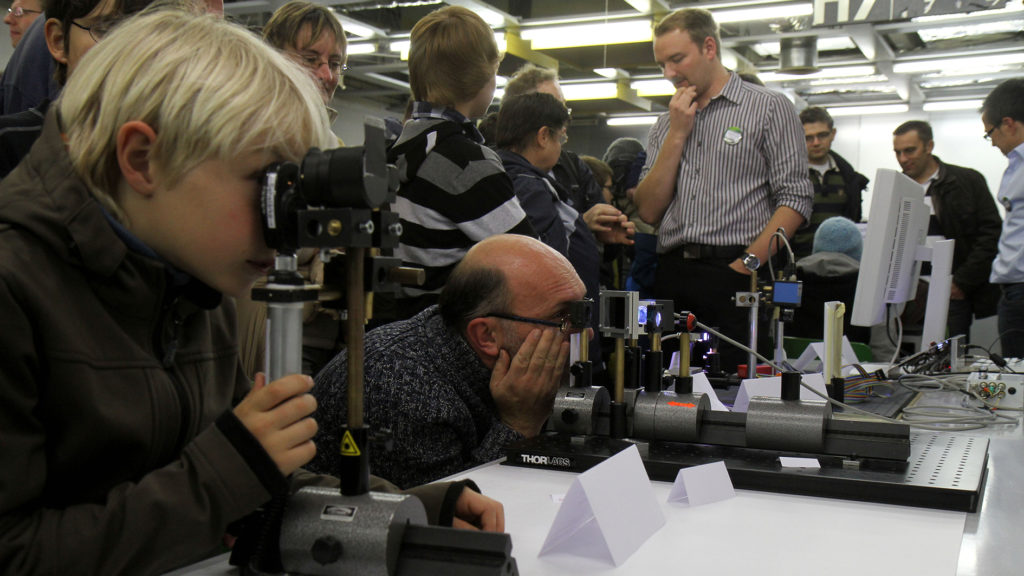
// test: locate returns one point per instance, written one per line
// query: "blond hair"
(210, 89)
(452, 56)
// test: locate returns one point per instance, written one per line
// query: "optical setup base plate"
(944, 471)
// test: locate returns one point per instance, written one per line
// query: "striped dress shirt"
(745, 158)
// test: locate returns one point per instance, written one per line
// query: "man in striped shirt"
(726, 168)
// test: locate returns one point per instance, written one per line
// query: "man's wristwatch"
(751, 261)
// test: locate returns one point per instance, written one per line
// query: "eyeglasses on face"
(100, 27)
(988, 133)
(315, 61)
(564, 324)
(18, 11)
(562, 135)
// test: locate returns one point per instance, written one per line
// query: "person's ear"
(483, 337)
(709, 47)
(135, 142)
(540, 138)
(54, 32)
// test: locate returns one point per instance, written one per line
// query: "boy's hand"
(524, 387)
(278, 415)
(474, 511)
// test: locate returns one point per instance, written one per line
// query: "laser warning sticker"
(348, 445)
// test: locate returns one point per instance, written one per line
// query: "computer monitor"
(895, 244)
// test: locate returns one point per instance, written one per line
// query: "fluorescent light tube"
(659, 87)
(952, 105)
(590, 91)
(632, 120)
(599, 34)
(866, 110)
(958, 65)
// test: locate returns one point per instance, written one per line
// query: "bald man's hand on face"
(525, 385)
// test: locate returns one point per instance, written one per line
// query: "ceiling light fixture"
(954, 32)
(659, 87)
(837, 72)
(945, 106)
(953, 66)
(827, 44)
(1009, 10)
(357, 28)
(402, 46)
(590, 91)
(632, 120)
(361, 48)
(598, 34)
(641, 6)
(868, 110)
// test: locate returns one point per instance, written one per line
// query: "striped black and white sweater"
(454, 193)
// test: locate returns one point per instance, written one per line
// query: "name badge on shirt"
(732, 136)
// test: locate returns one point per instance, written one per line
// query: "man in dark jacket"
(837, 186)
(962, 210)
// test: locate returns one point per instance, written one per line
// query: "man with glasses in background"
(312, 36)
(1002, 114)
(963, 210)
(837, 186)
(464, 378)
(20, 16)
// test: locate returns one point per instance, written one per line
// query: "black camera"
(329, 200)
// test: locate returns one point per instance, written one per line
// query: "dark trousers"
(959, 317)
(1011, 320)
(706, 287)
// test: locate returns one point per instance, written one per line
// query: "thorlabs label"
(538, 460)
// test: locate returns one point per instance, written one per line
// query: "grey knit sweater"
(427, 386)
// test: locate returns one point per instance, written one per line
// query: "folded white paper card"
(608, 512)
(794, 462)
(772, 388)
(815, 351)
(702, 484)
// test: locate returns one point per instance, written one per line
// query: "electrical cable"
(936, 418)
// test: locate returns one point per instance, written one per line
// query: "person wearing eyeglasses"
(579, 188)
(838, 188)
(1002, 114)
(530, 135)
(72, 28)
(20, 16)
(461, 380)
(963, 210)
(311, 35)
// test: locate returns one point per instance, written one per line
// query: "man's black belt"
(708, 252)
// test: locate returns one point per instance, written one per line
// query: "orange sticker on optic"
(682, 404)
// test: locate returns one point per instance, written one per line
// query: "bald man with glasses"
(464, 378)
